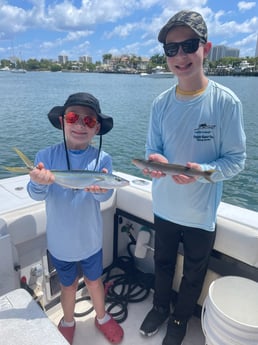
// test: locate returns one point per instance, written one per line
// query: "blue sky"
(48, 28)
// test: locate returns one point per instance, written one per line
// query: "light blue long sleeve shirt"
(74, 221)
(207, 130)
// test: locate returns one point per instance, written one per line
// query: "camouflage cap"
(189, 18)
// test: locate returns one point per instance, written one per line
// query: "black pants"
(197, 244)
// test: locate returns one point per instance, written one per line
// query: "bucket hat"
(189, 18)
(86, 100)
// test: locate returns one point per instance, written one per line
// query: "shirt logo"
(204, 132)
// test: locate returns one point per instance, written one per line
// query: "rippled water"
(27, 98)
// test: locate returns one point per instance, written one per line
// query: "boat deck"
(87, 332)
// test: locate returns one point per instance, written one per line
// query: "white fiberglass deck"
(86, 332)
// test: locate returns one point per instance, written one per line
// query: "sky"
(44, 29)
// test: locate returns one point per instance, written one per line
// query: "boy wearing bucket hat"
(197, 123)
(74, 222)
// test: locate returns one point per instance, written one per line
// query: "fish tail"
(22, 170)
(24, 158)
(28, 163)
(208, 174)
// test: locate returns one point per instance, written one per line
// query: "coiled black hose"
(123, 284)
(129, 286)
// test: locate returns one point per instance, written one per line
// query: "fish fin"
(22, 170)
(24, 158)
(208, 174)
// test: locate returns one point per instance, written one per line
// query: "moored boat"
(158, 72)
(5, 69)
(18, 70)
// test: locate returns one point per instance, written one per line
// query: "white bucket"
(230, 312)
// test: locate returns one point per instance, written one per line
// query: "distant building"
(256, 49)
(233, 52)
(85, 58)
(62, 59)
(143, 63)
(221, 51)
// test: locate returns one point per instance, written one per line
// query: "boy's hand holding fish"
(41, 175)
(97, 189)
(155, 173)
(157, 166)
(90, 181)
(44, 176)
(180, 178)
(184, 179)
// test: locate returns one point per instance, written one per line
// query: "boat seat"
(23, 322)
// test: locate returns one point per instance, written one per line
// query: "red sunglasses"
(72, 118)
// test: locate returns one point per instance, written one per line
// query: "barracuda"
(172, 169)
(75, 179)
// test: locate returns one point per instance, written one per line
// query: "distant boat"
(5, 69)
(158, 72)
(244, 66)
(18, 70)
(158, 75)
(18, 65)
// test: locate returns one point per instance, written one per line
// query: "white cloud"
(247, 45)
(70, 37)
(122, 30)
(77, 35)
(73, 25)
(12, 20)
(245, 5)
(220, 25)
(66, 15)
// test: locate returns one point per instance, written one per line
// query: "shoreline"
(207, 73)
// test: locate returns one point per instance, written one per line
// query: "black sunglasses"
(189, 46)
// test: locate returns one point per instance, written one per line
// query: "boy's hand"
(95, 188)
(184, 179)
(179, 179)
(41, 175)
(155, 157)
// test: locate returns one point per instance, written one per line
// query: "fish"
(172, 169)
(74, 179)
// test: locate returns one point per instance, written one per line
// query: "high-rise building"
(62, 59)
(256, 49)
(232, 52)
(221, 51)
(85, 58)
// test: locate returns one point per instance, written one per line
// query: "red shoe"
(111, 330)
(67, 332)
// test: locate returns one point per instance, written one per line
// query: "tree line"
(125, 61)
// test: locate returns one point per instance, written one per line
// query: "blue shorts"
(68, 272)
